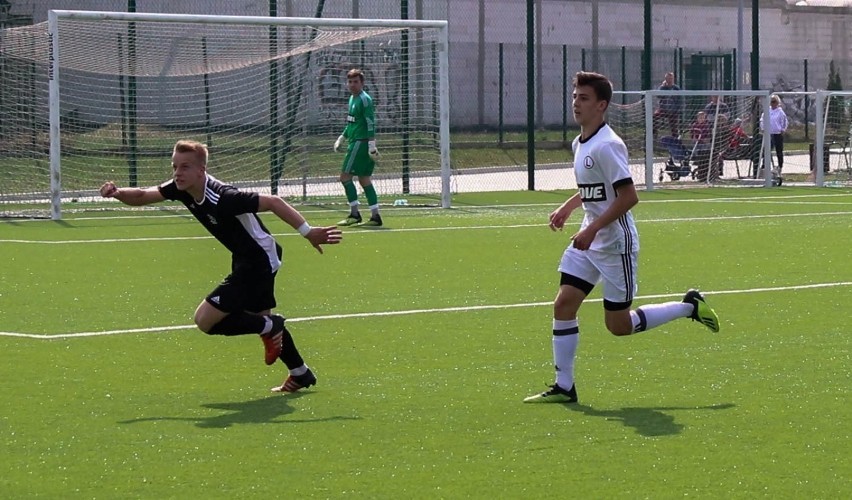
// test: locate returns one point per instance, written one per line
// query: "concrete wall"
(788, 37)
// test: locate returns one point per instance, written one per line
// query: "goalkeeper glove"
(338, 142)
(374, 153)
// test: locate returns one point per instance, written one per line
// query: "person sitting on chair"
(700, 129)
(741, 145)
(738, 136)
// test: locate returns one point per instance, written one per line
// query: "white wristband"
(304, 229)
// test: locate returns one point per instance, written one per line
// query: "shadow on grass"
(649, 422)
(259, 411)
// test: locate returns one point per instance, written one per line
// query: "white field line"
(443, 228)
(422, 311)
(779, 200)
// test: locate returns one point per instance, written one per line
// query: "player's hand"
(558, 218)
(324, 236)
(338, 142)
(109, 190)
(374, 153)
(583, 239)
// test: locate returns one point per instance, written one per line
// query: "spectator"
(777, 127)
(744, 147)
(700, 129)
(738, 135)
(712, 149)
(716, 105)
(670, 106)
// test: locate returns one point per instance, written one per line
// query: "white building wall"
(787, 38)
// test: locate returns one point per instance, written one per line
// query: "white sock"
(566, 336)
(653, 315)
(374, 209)
(268, 326)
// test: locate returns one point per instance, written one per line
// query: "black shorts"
(245, 289)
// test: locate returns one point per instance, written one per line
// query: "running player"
(606, 247)
(242, 303)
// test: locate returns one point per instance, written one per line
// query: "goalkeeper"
(361, 153)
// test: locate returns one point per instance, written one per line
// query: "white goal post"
(235, 62)
(833, 132)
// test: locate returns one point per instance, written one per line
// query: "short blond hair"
(187, 146)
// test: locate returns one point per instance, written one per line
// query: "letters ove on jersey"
(592, 192)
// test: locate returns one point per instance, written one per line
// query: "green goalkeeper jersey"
(361, 121)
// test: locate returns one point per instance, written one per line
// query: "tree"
(836, 105)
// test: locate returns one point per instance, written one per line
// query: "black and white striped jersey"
(231, 217)
(600, 166)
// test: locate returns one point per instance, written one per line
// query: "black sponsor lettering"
(592, 192)
(50, 61)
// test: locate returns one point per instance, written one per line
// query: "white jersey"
(600, 165)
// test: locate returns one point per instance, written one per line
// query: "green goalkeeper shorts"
(358, 161)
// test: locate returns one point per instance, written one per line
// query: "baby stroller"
(677, 165)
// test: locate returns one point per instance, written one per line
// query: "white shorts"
(616, 270)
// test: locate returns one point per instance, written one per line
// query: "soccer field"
(425, 336)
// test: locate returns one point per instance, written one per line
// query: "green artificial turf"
(425, 336)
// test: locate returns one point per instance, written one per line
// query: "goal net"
(677, 138)
(832, 148)
(94, 96)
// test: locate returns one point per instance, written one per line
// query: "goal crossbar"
(250, 20)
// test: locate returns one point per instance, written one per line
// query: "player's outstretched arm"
(318, 236)
(131, 196)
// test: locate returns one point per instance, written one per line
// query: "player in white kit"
(606, 247)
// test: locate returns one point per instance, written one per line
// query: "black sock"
(289, 354)
(239, 323)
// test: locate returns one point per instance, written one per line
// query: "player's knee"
(619, 330)
(619, 323)
(563, 310)
(204, 327)
(203, 323)
(565, 304)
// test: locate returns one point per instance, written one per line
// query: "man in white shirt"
(777, 127)
(606, 247)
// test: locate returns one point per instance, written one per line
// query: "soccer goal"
(97, 96)
(689, 138)
(832, 148)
